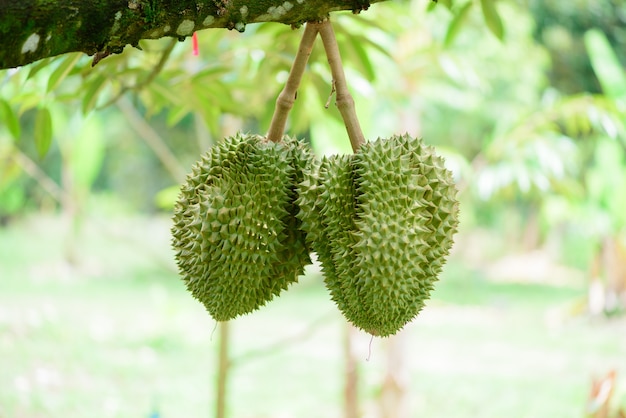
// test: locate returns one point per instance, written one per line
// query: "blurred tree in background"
(561, 26)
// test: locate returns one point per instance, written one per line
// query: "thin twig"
(287, 96)
(282, 344)
(330, 96)
(32, 169)
(153, 139)
(345, 102)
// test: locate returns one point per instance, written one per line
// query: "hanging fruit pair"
(381, 220)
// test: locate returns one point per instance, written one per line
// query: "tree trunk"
(35, 29)
(351, 384)
(223, 370)
(394, 392)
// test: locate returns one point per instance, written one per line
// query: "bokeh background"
(527, 106)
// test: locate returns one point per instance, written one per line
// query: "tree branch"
(287, 96)
(345, 102)
(34, 29)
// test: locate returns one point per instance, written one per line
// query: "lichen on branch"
(34, 29)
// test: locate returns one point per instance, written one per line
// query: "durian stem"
(345, 102)
(288, 95)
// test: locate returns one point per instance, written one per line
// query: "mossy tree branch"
(34, 29)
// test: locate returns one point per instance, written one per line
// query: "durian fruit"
(382, 222)
(238, 242)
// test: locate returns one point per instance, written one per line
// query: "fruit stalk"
(344, 102)
(288, 95)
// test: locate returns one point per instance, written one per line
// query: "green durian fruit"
(238, 242)
(382, 222)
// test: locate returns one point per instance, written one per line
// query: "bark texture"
(34, 29)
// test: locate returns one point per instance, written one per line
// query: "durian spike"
(345, 102)
(287, 96)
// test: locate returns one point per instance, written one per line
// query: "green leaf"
(605, 64)
(38, 66)
(26, 100)
(62, 71)
(211, 116)
(164, 92)
(90, 98)
(210, 73)
(365, 65)
(456, 23)
(492, 18)
(218, 92)
(176, 114)
(43, 131)
(88, 149)
(9, 118)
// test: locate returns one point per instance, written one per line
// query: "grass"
(117, 335)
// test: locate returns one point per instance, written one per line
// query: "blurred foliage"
(517, 96)
(591, 210)
(561, 26)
